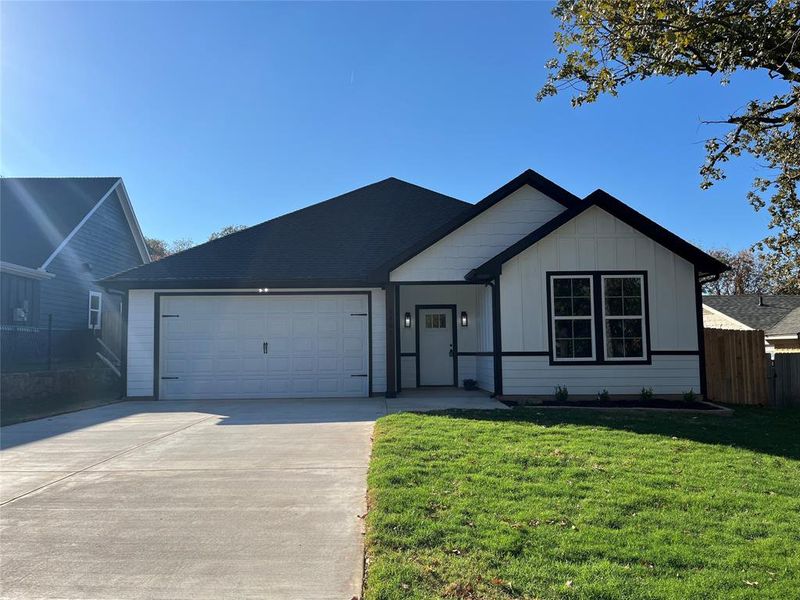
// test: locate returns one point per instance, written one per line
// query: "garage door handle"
(265, 347)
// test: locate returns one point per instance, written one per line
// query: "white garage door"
(303, 346)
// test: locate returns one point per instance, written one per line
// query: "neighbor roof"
(778, 315)
(37, 214)
(705, 263)
(337, 242)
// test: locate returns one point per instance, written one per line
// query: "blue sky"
(216, 114)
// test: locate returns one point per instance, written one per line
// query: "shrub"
(646, 394)
(603, 396)
(689, 396)
(561, 393)
(470, 384)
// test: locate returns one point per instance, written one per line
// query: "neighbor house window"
(572, 318)
(623, 317)
(598, 317)
(95, 308)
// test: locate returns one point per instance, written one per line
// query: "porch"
(440, 334)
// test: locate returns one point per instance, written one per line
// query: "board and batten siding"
(481, 238)
(104, 245)
(597, 241)
(141, 337)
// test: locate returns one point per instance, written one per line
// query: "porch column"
(497, 340)
(391, 340)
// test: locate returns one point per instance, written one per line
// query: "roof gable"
(706, 264)
(336, 242)
(38, 214)
(529, 177)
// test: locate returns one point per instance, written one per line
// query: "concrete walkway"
(223, 499)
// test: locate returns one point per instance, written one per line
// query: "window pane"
(582, 328)
(614, 328)
(443, 321)
(632, 286)
(615, 347)
(632, 306)
(583, 348)
(562, 307)
(563, 328)
(582, 307)
(93, 316)
(614, 306)
(94, 302)
(632, 328)
(428, 322)
(613, 286)
(581, 287)
(633, 348)
(562, 288)
(563, 348)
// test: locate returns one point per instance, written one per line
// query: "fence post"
(50, 342)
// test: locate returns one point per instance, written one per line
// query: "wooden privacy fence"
(736, 367)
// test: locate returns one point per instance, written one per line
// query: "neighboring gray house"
(60, 236)
(393, 286)
(777, 316)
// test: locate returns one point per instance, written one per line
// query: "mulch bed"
(654, 403)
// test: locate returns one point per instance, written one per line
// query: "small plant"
(470, 384)
(561, 393)
(603, 396)
(646, 394)
(689, 396)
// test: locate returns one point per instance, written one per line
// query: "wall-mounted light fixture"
(464, 319)
(407, 320)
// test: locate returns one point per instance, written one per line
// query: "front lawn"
(580, 504)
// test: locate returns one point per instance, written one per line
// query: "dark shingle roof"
(36, 214)
(339, 241)
(778, 315)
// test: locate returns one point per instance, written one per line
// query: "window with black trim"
(572, 317)
(623, 317)
(598, 317)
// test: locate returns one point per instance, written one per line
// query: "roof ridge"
(6, 177)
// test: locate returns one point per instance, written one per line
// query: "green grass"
(580, 504)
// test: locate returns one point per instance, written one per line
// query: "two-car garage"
(223, 345)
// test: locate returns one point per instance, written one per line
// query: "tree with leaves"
(745, 277)
(159, 249)
(226, 231)
(606, 44)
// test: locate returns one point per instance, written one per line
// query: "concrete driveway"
(223, 499)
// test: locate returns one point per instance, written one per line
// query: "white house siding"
(533, 375)
(481, 238)
(465, 299)
(484, 365)
(141, 337)
(595, 240)
(141, 341)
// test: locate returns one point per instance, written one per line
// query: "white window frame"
(590, 318)
(642, 317)
(98, 310)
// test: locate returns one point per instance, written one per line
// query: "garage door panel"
(278, 365)
(215, 346)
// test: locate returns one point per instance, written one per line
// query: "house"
(58, 237)
(393, 286)
(777, 316)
